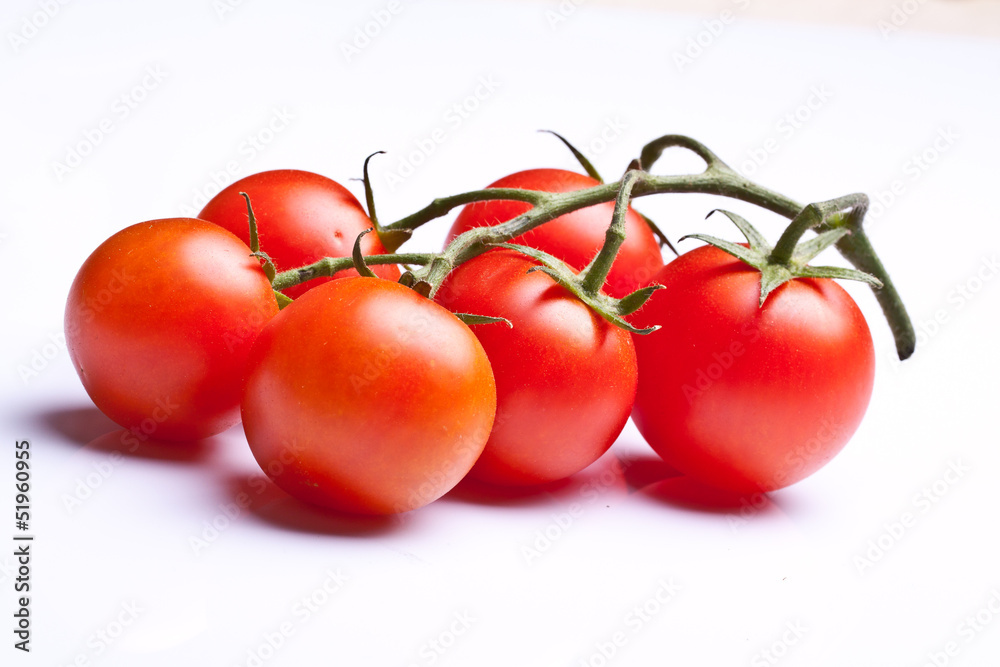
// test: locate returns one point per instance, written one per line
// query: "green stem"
(810, 217)
(718, 178)
(252, 221)
(329, 266)
(857, 249)
(359, 259)
(444, 205)
(597, 272)
(478, 240)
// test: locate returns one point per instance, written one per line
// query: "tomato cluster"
(365, 396)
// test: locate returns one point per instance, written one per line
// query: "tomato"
(566, 378)
(159, 323)
(744, 397)
(365, 397)
(301, 218)
(574, 237)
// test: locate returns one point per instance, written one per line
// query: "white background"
(455, 583)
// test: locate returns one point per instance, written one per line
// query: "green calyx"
(361, 266)
(282, 300)
(587, 285)
(612, 309)
(789, 259)
(390, 239)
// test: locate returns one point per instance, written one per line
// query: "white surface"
(455, 573)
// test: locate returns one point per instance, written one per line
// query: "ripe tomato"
(566, 378)
(365, 397)
(749, 398)
(301, 218)
(575, 237)
(159, 323)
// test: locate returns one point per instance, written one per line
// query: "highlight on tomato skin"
(565, 377)
(302, 217)
(573, 237)
(748, 398)
(159, 322)
(364, 397)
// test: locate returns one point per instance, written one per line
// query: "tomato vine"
(718, 178)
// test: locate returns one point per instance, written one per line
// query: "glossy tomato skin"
(302, 217)
(159, 323)
(565, 377)
(746, 398)
(575, 237)
(365, 397)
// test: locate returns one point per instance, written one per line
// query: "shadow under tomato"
(170, 451)
(652, 477)
(267, 502)
(91, 430)
(642, 470)
(610, 474)
(686, 493)
(80, 424)
(475, 492)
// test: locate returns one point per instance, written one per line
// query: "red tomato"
(749, 398)
(159, 323)
(575, 237)
(565, 377)
(365, 397)
(301, 218)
